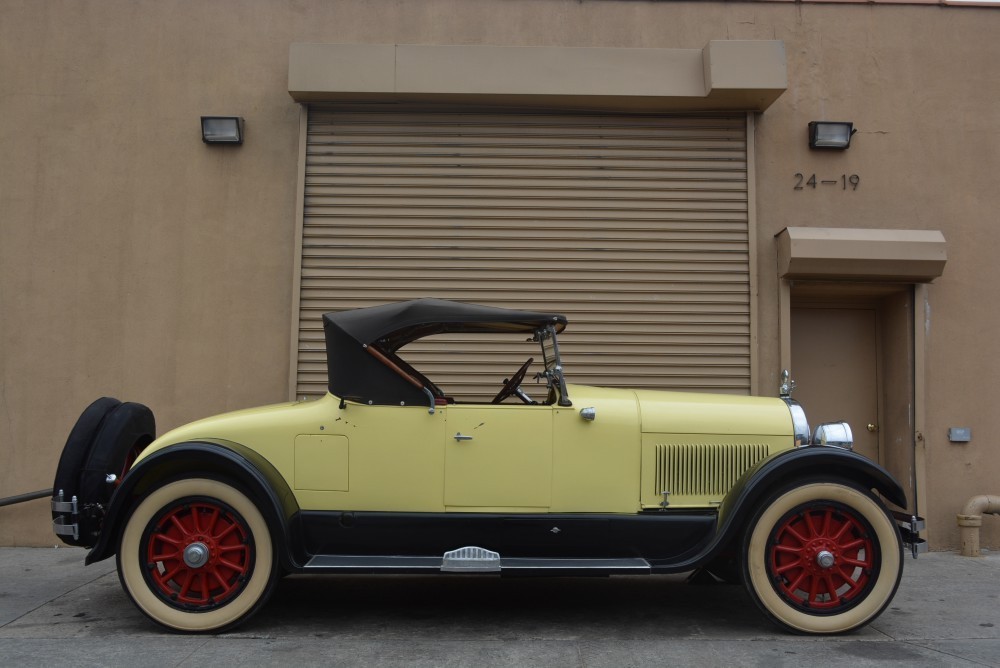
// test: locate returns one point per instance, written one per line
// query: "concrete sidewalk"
(54, 611)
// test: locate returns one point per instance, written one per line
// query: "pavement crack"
(948, 654)
(44, 603)
(190, 654)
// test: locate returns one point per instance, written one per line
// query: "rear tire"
(196, 556)
(822, 557)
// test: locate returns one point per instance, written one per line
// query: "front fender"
(780, 468)
(786, 466)
(255, 475)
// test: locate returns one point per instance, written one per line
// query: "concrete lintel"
(750, 69)
(725, 75)
(911, 256)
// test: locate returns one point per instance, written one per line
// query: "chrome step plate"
(471, 559)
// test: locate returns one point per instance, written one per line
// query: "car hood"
(698, 413)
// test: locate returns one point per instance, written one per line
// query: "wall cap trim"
(745, 75)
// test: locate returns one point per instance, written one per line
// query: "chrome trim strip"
(633, 565)
(372, 563)
(800, 424)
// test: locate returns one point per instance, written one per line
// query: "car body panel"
(596, 465)
(582, 536)
(696, 446)
(488, 466)
(698, 470)
(268, 430)
(699, 413)
(396, 459)
(519, 458)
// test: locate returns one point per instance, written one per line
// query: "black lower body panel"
(550, 538)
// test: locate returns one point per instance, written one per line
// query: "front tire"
(196, 556)
(822, 557)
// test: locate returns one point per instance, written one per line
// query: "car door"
(498, 457)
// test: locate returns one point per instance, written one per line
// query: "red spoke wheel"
(130, 457)
(822, 557)
(199, 554)
(196, 555)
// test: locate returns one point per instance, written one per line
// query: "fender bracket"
(910, 527)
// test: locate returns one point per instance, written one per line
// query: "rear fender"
(217, 458)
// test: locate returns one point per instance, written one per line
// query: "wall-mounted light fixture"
(222, 129)
(830, 134)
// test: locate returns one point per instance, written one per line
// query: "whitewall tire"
(196, 555)
(822, 557)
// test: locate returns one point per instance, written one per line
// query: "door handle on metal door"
(460, 437)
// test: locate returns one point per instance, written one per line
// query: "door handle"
(872, 427)
(460, 437)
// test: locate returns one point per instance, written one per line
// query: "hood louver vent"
(692, 472)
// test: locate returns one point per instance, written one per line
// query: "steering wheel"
(511, 384)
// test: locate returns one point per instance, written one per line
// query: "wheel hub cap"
(196, 555)
(825, 559)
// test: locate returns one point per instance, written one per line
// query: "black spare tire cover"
(125, 431)
(74, 453)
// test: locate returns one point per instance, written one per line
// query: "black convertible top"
(356, 373)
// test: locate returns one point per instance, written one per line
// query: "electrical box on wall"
(959, 434)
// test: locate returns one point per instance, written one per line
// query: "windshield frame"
(553, 373)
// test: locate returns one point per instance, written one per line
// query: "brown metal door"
(835, 367)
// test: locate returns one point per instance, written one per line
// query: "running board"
(471, 562)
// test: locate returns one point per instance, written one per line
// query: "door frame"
(848, 293)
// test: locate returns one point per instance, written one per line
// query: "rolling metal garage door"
(634, 226)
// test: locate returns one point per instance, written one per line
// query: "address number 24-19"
(846, 182)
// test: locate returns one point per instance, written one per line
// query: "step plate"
(471, 560)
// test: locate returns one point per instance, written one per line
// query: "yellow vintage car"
(387, 473)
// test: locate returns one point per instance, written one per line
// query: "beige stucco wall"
(137, 262)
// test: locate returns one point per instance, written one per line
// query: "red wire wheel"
(199, 554)
(822, 557)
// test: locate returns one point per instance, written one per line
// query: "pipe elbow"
(971, 518)
(985, 504)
